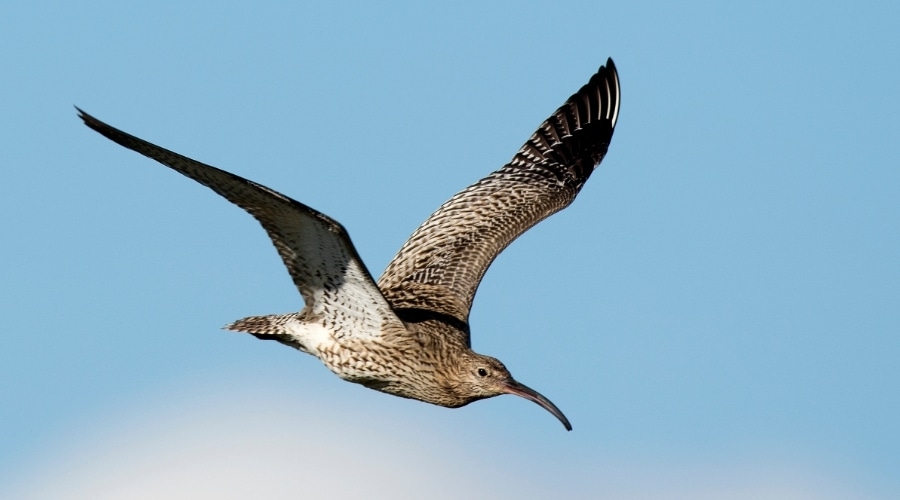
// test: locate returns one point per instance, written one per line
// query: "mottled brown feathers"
(409, 334)
(440, 266)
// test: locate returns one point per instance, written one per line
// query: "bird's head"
(481, 377)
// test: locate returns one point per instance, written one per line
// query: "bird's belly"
(354, 365)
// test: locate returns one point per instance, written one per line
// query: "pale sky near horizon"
(717, 313)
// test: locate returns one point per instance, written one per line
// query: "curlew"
(408, 334)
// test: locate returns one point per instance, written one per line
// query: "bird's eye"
(482, 372)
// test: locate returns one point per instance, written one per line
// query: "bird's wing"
(436, 272)
(316, 249)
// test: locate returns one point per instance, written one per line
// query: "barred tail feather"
(272, 324)
(271, 327)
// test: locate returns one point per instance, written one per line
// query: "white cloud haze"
(247, 444)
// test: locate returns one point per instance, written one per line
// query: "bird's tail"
(271, 327)
(272, 324)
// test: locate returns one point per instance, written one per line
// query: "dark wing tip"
(84, 116)
(97, 125)
(612, 79)
(598, 100)
(132, 142)
(575, 138)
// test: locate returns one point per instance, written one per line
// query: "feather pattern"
(322, 261)
(436, 273)
(408, 335)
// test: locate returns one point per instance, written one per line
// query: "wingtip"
(99, 126)
(85, 117)
(612, 78)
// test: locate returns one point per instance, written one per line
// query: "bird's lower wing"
(316, 249)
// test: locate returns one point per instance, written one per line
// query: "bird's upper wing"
(436, 272)
(316, 249)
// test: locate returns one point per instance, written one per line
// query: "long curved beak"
(513, 387)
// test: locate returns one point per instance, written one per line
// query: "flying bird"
(408, 334)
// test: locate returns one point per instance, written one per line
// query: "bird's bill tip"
(530, 394)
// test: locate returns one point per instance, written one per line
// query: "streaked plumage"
(408, 335)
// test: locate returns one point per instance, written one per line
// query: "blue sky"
(717, 313)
